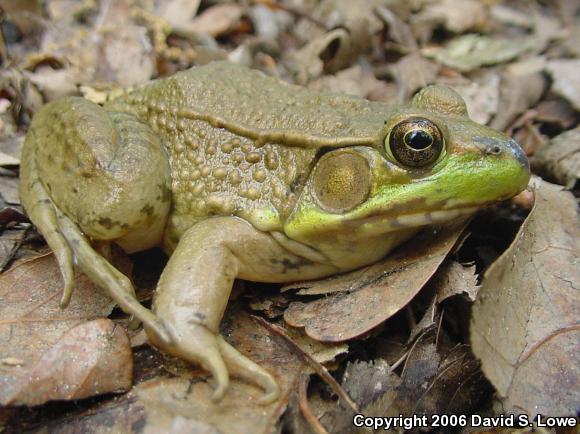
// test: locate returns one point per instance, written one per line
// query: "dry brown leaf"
(178, 13)
(556, 111)
(217, 20)
(8, 160)
(182, 403)
(398, 30)
(322, 352)
(32, 321)
(91, 358)
(469, 52)
(365, 382)
(126, 57)
(457, 16)
(564, 72)
(355, 80)
(525, 326)
(456, 279)
(431, 383)
(357, 18)
(382, 289)
(517, 93)
(55, 83)
(481, 96)
(330, 51)
(412, 72)
(560, 159)
(9, 190)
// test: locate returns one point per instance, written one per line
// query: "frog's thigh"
(107, 177)
(105, 170)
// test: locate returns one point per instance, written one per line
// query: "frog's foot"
(198, 345)
(242, 367)
(201, 346)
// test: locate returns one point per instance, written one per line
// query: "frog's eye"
(341, 181)
(415, 142)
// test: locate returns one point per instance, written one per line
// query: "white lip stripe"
(414, 220)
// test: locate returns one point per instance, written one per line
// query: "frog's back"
(241, 143)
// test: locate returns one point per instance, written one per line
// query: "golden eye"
(415, 142)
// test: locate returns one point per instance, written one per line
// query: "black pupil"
(418, 139)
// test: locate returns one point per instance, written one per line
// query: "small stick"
(305, 408)
(318, 368)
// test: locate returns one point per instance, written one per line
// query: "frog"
(240, 175)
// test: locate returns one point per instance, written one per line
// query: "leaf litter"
(401, 351)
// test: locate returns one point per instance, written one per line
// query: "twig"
(318, 368)
(305, 408)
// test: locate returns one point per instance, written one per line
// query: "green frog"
(238, 175)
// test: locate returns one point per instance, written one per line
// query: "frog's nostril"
(493, 150)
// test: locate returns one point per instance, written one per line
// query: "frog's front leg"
(194, 288)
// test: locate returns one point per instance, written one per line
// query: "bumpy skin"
(238, 175)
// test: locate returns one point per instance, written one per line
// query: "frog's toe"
(198, 345)
(68, 277)
(242, 367)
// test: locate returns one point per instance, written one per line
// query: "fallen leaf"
(7, 160)
(32, 321)
(10, 242)
(330, 51)
(182, 403)
(566, 83)
(456, 279)
(517, 93)
(321, 352)
(178, 13)
(481, 95)
(524, 326)
(431, 383)
(55, 83)
(383, 289)
(398, 30)
(556, 111)
(468, 52)
(511, 16)
(530, 137)
(458, 16)
(355, 80)
(560, 159)
(91, 358)
(217, 20)
(9, 190)
(268, 22)
(413, 72)
(365, 382)
(12, 146)
(128, 56)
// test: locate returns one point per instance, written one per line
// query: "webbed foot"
(201, 346)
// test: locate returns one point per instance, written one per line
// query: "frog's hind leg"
(92, 174)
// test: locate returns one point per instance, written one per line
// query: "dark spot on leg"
(148, 210)
(106, 222)
(200, 316)
(165, 192)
